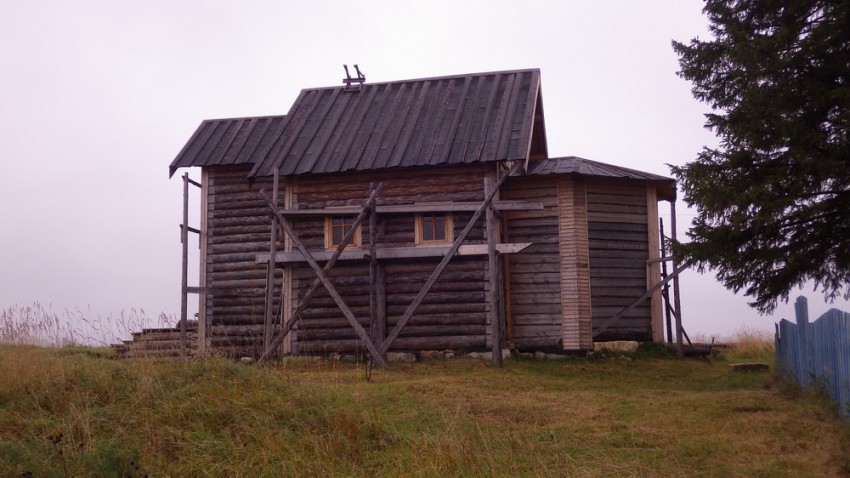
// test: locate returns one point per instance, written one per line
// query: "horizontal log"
(597, 226)
(610, 198)
(552, 319)
(536, 331)
(612, 272)
(399, 287)
(396, 253)
(615, 245)
(601, 283)
(628, 292)
(617, 217)
(447, 298)
(619, 254)
(426, 309)
(503, 205)
(536, 309)
(634, 263)
(401, 343)
(518, 268)
(536, 343)
(305, 334)
(516, 221)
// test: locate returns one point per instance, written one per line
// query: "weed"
(39, 325)
(748, 343)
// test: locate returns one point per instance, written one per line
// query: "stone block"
(622, 346)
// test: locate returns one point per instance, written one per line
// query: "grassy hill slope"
(71, 412)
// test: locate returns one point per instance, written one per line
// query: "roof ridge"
(431, 78)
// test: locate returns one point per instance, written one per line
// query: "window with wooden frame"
(336, 227)
(434, 228)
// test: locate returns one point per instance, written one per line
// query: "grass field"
(73, 412)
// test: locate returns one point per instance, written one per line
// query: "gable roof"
(587, 167)
(446, 120)
(229, 141)
(433, 121)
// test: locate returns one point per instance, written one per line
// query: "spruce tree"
(773, 199)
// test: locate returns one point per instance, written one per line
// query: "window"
(336, 227)
(434, 228)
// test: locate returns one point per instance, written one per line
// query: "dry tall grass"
(754, 344)
(39, 325)
(461, 417)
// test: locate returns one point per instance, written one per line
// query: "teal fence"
(816, 354)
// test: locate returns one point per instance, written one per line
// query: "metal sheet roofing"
(434, 121)
(229, 141)
(586, 167)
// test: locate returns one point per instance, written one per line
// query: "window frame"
(419, 229)
(329, 230)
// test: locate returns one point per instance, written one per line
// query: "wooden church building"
(417, 215)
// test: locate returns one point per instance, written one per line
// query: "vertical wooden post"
(184, 280)
(203, 328)
(268, 323)
(680, 348)
(286, 289)
(375, 277)
(493, 293)
(665, 292)
(381, 304)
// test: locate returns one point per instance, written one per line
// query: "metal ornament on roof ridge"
(353, 84)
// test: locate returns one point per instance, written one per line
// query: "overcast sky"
(98, 97)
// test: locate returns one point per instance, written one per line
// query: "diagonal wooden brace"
(658, 286)
(322, 279)
(411, 309)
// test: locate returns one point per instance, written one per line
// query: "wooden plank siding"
(576, 281)
(453, 314)
(618, 244)
(534, 275)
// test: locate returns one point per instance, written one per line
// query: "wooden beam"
(399, 252)
(381, 304)
(203, 329)
(499, 205)
(411, 309)
(202, 290)
(516, 205)
(659, 259)
(492, 276)
(665, 292)
(628, 308)
(373, 274)
(268, 329)
(680, 346)
(653, 268)
(322, 279)
(184, 279)
(191, 229)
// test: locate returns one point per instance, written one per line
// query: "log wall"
(533, 276)
(238, 226)
(617, 228)
(452, 315)
(603, 223)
